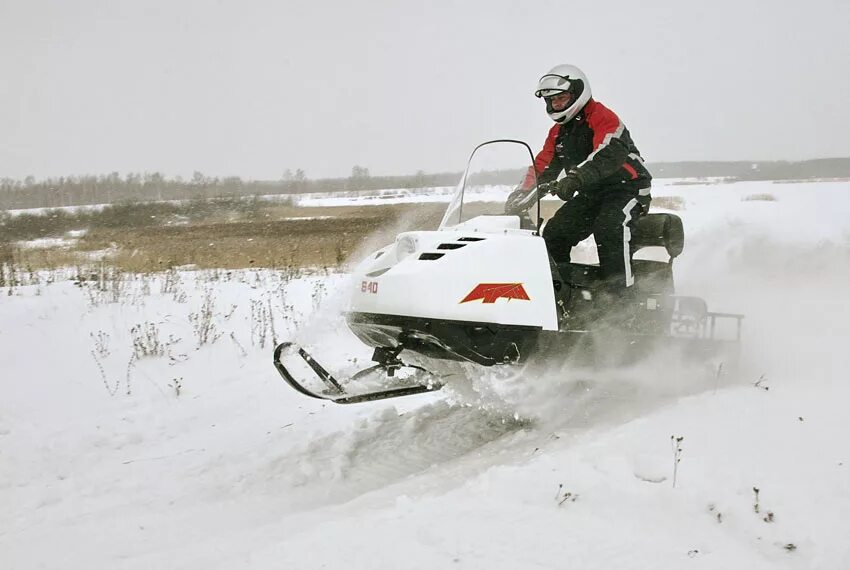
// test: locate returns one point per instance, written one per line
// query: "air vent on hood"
(377, 273)
(451, 245)
(431, 256)
(471, 239)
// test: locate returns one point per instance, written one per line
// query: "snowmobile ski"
(334, 390)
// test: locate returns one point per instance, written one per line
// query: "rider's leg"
(572, 223)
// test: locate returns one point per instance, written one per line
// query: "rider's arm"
(610, 151)
(546, 164)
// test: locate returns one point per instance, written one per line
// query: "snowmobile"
(482, 289)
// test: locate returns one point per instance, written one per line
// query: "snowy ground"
(143, 426)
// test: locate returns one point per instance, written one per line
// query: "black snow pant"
(609, 214)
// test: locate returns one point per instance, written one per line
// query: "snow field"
(107, 462)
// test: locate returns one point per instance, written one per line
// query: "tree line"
(143, 187)
(111, 188)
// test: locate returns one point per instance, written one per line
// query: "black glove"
(566, 187)
(547, 188)
(519, 201)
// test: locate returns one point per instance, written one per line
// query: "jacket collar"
(581, 116)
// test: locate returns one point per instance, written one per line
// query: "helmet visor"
(558, 101)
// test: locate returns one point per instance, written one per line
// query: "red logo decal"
(489, 292)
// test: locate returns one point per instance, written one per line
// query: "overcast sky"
(251, 88)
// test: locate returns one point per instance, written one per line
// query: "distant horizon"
(187, 174)
(213, 176)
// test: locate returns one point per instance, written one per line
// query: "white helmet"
(564, 79)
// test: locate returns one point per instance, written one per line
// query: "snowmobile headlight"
(405, 245)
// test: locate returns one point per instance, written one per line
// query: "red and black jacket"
(597, 146)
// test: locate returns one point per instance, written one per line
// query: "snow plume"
(796, 328)
(327, 333)
(563, 395)
(793, 293)
(386, 235)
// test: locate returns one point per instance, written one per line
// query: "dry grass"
(271, 236)
(6, 253)
(278, 236)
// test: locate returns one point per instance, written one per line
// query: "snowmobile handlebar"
(519, 201)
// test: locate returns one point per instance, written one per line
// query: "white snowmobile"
(483, 289)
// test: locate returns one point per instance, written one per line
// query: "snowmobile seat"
(657, 230)
(661, 229)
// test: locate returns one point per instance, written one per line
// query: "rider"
(606, 186)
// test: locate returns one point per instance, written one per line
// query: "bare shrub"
(101, 343)
(676, 445)
(242, 351)
(759, 198)
(203, 323)
(7, 260)
(176, 384)
(146, 340)
(262, 323)
(111, 389)
(287, 310)
(172, 285)
(170, 282)
(320, 290)
(103, 284)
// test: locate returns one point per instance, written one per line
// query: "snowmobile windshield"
(495, 169)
